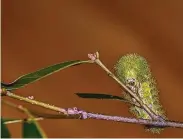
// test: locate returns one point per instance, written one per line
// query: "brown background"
(38, 33)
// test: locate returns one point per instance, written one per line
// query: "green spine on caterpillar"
(134, 66)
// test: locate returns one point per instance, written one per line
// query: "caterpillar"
(134, 71)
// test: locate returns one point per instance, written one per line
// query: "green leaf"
(30, 130)
(100, 96)
(4, 130)
(35, 76)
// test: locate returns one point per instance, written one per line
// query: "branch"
(88, 115)
(75, 113)
(61, 111)
(165, 123)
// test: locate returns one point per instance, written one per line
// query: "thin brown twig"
(61, 111)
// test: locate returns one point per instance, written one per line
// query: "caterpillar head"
(132, 84)
(131, 81)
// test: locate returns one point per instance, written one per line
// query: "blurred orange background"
(39, 33)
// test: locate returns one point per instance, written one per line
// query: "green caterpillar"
(133, 70)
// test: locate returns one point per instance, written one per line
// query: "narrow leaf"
(4, 130)
(30, 130)
(100, 96)
(37, 75)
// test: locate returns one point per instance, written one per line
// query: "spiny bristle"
(135, 66)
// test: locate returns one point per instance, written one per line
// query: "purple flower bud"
(92, 57)
(75, 110)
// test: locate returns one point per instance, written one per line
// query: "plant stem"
(34, 102)
(89, 115)
(165, 123)
(62, 112)
(117, 119)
